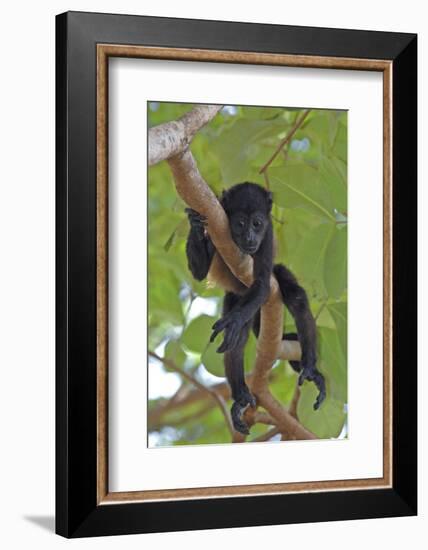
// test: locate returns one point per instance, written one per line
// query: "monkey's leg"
(234, 369)
(291, 336)
(295, 299)
(199, 248)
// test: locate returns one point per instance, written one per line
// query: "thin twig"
(266, 436)
(294, 402)
(267, 182)
(286, 151)
(320, 310)
(218, 398)
(263, 418)
(286, 140)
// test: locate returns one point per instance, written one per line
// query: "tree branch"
(171, 138)
(285, 141)
(263, 418)
(218, 398)
(186, 396)
(266, 436)
(294, 402)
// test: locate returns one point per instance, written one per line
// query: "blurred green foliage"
(309, 184)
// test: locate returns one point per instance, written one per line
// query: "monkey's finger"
(231, 338)
(217, 328)
(241, 427)
(198, 222)
(302, 377)
(227, 344)
(195, 216)
(191, 212)
(319, 381)
(199, 226)
(222, 348)
(320, 384)
(236, 415)
(319, 400)
(252, 401)
(220, 325)
(214, 334)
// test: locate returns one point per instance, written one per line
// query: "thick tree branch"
(171, 138)
(196, 193)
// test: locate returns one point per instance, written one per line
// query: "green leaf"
(327, 422)
(339, 312)
(197, 334)
(250, 352)
(284, 383)
(341, 167)
(262, 113)
(308, 264)
(174, 351)
(336, 262)
(237, 145)
(321, 127)
(340, 146)
(332, 361)
(334, 184)
(213, 361)
(164, 302)
(298, 184)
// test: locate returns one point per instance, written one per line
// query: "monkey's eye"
(257, 223)
(241, 223)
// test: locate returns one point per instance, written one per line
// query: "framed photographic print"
(236, 274)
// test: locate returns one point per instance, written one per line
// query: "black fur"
(248, 208)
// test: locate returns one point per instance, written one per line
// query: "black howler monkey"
(248, 208)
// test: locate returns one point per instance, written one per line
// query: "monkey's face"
(248, 230)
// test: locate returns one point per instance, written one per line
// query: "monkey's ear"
(269, 200)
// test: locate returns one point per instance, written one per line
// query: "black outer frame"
(77, 513)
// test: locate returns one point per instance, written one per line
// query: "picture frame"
(84, 44)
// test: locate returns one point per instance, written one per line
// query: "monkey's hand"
(197, 222)
(312, 374)
(232, 324)
(244, 401)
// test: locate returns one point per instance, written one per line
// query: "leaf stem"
(286, 140)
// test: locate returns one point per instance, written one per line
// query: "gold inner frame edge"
(104, 51)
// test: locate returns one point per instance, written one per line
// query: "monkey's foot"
(197, 221)
(311, 374)
(238, 409)
(232, 324)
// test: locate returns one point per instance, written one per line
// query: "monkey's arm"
(296, 300)
(199, 248)
(251, 301)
